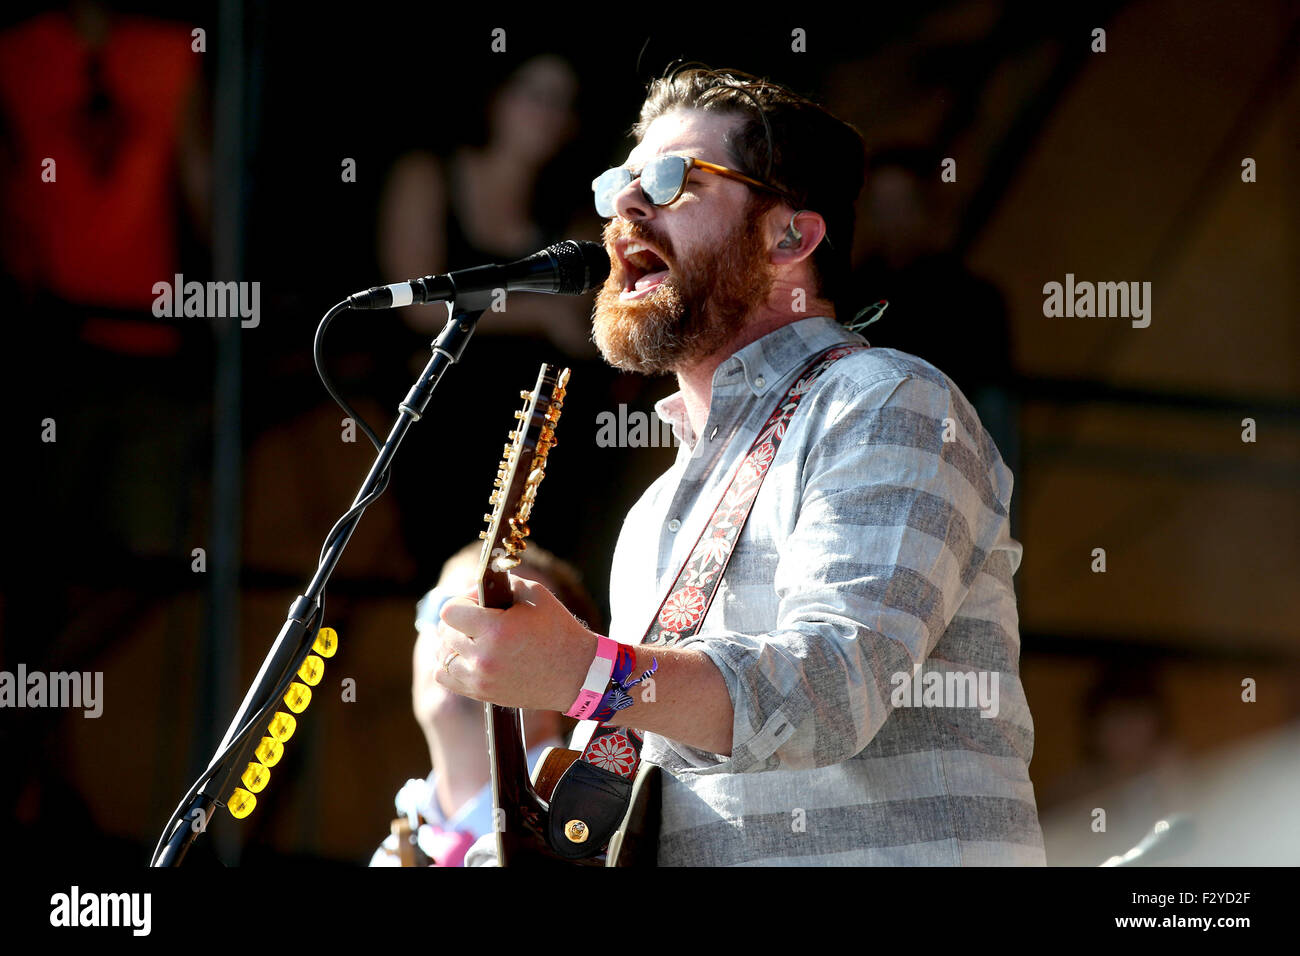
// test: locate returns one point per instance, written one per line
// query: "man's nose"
(631, 204)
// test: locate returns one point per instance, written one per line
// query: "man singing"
(849, 693)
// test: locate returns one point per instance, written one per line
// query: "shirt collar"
(760, 365)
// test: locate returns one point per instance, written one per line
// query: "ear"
(790, 248)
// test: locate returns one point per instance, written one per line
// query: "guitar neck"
(519, 814)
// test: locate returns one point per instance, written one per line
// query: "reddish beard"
(698, 309)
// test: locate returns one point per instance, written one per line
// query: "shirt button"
(674, 526)
(760, 382)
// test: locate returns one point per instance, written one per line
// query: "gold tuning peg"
(487, 518)
(526, 395)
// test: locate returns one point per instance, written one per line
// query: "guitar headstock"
(522, 468)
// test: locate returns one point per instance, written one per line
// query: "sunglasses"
(662, 181)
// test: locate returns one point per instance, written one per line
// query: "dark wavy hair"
(785, 140)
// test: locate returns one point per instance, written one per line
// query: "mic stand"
(297, 636)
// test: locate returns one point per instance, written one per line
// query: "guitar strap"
(617, 750)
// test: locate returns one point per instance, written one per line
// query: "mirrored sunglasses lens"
(608, 185)
(662, 178)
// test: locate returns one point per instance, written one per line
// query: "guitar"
(521, 803)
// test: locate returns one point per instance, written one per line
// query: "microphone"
(570, 267)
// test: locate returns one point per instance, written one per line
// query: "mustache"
(617, 229)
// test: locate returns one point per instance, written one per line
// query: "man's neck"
(458, 756)
(696, 380)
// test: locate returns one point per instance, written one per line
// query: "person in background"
(105, 176)
(1131, 763)
(452, 806)
(105, 179)
(490, 203)
(938, 309)
(511, 187)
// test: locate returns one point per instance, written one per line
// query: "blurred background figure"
(938, 309)
(104, 191)
(1129, 753)
(507, 192)
(1128, 729)
(518, 181)
(451, 807)
(1237, 802)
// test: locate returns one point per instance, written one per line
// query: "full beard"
(699, 308)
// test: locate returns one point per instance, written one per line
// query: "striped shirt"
(866, 627)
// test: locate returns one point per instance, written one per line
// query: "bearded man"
(809, 705)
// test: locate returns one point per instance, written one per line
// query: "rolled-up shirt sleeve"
(901, 497)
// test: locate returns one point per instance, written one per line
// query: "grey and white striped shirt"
(875, 549)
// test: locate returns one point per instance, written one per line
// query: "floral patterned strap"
(618, 749)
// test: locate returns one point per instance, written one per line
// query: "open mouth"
(643, 268)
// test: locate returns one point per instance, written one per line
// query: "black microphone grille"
(583, 265)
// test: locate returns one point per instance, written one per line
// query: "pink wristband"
(597, 682)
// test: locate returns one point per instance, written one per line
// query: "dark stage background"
(193, 433)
